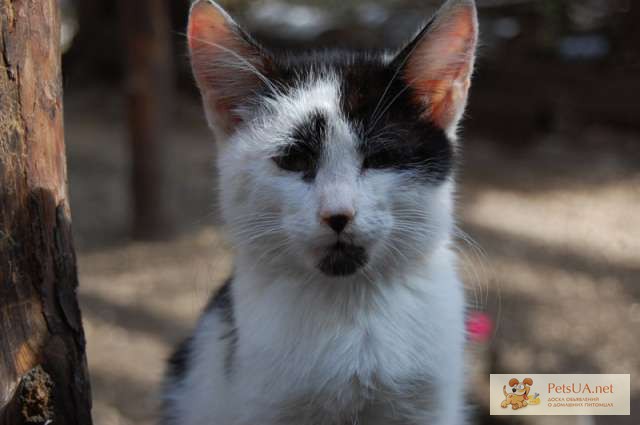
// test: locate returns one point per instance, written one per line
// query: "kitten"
(336, 181)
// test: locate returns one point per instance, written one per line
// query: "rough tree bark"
(43, 369)
(146, 29)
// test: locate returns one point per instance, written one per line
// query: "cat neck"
(274, 307)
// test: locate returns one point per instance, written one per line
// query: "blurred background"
(549, 190)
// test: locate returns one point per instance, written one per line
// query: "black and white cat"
(336, 181)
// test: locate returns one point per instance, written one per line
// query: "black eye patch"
(383, 156)
(298, 158)
(303, 154)
(418, 147)
(395, 130)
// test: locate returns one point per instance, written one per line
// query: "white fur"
(312, 349)
(314, 342)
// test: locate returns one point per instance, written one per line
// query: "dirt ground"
(555, 258)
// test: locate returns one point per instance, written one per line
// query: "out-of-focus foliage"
(360, 22)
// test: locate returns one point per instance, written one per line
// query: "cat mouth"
(342, 259)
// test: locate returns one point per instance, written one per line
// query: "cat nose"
(337, 221)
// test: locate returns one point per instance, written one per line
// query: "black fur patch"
(303, 155)
(222, 304)
(311, 132)
(343, 259)
(177, 367)
(221, 301)
(178, 363)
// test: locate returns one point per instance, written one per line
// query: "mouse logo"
(516, 394)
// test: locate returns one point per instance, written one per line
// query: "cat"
(336, 188)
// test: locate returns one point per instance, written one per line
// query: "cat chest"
(348, 368)
(362, 404)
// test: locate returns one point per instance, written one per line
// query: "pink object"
(479, 326)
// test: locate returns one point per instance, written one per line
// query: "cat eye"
(421, 150)
(297, 159)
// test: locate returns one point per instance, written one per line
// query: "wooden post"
(43, 369)
(146, 28)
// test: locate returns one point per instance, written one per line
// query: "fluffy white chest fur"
(336, 189)
(332, 355)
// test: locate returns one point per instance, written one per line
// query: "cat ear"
(228, 65)
(438, 63)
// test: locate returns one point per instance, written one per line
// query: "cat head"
(336, 162)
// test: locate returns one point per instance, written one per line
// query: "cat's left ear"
(228, 65)
(438, 63)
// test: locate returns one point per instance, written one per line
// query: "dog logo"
(516, 394)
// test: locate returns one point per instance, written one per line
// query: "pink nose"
(337, 221)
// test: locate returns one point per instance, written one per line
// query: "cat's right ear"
(439, 62)
(228, 65)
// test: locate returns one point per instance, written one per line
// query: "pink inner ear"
(220, 58)
(440, 68)
(207, 24)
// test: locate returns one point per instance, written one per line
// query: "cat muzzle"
(343, 259)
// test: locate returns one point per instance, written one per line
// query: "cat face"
(335, 163)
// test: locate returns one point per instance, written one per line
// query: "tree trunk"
(145, 24)
(43, 369)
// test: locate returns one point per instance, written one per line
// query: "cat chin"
(343, 259)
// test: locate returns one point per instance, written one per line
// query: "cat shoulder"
(202, 361)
